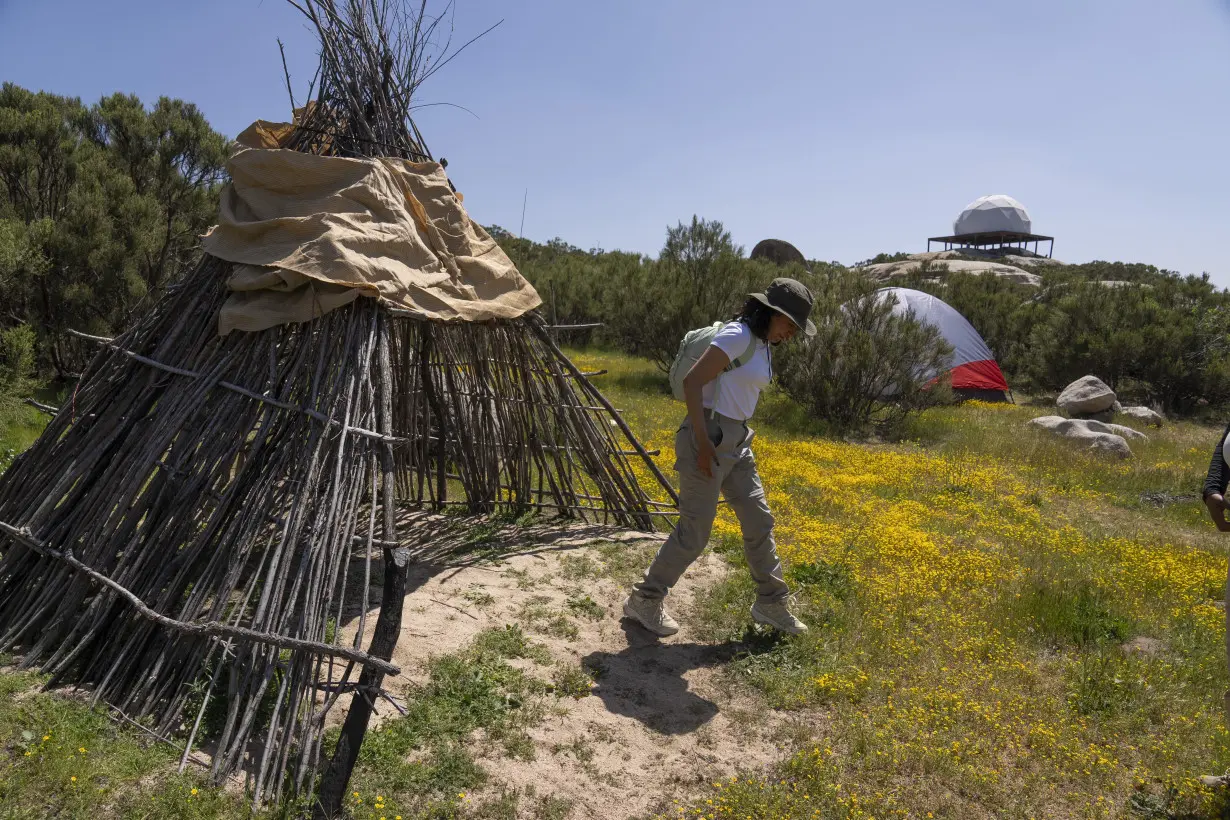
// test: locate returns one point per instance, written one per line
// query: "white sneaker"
(778, 616)
(649, 613)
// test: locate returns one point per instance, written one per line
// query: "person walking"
(713, 455)
(1215, 483)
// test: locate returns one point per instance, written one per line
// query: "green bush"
(101, 207)
(700, 277)
(17, 362)
(866, 367)
(1154, 336)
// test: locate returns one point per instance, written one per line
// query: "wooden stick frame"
(192, 535)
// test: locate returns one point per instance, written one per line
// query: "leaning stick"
(623, 425)
(207, 628)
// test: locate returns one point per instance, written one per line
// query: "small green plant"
(586, 606)
(579, 567)
(478, 596)
(543, 619)
(522, 577)
(508, 805)
(559, 625)
(330, 630)
(481, 534)
(833, 578)
(510, 642)
(1072, 612)
(1104, 683)
(526, 519)
(572, 680)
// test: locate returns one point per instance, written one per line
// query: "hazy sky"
(846, 128)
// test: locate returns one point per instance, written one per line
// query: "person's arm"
(707, 368)
(1215, 484)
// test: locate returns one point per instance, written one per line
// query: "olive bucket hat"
(792, 299)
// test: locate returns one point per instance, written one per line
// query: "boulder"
(1110, 445)
(1095, 434)
(1093, 425)
(1145, 414)
(779, 252)
(1086, 396)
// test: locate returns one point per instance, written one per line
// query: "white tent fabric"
(973, 364)
(993, 213)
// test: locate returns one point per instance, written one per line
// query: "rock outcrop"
(1104, 438)
(1147, 415)
(1086, 396)
(888, 271)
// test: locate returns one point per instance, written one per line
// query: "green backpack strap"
(746, 357)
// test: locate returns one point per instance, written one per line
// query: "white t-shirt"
(740, 388)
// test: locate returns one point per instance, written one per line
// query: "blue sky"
(846, 128)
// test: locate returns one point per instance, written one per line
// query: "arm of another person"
(707, 368)
(1215, 485)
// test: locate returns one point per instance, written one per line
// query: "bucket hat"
(792, 299)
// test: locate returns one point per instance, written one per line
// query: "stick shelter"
(223, 489)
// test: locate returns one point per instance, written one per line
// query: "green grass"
(545, 620)
(969, 652)
(968, 655)
(60, 759)
(421, 764)
(1171, 462)
(478, 596)
(18, 430)
(572, 680)
(1067, 612)
(512, 804)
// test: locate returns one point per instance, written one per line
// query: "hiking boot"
(777, 615)
(649, 613)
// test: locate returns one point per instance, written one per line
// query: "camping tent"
(975, 373)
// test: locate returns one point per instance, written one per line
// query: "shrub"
(701, 277)
(17, 362)
(866, 367)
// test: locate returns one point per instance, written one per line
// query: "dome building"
(995, 221)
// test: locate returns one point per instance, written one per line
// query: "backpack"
(693, 346)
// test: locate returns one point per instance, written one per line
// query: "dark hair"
(756, 315)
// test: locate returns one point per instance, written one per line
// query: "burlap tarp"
(309, 234)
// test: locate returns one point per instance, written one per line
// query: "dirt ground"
(660, 719)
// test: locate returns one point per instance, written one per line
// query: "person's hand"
(706, 455)
(1217, 510)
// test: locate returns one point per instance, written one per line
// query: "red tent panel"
(973, 363)
(983, 375)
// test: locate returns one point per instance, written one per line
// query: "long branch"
(201, 627)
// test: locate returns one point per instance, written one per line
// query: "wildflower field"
(1002, 626)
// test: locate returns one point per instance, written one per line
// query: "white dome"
(993, 213)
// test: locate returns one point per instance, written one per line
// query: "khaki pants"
(735, 477)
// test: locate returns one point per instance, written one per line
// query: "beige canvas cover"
(309, 234)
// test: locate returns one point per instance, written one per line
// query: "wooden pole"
(336, 778)
(623, 426)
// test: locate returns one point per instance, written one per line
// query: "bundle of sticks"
(190, 533)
